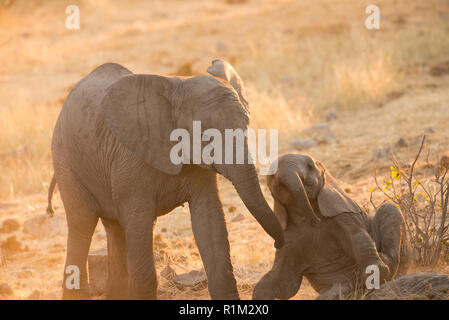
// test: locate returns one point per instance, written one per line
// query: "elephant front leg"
(139, 247)
(211, 236)
(283, 280)
(359, 244)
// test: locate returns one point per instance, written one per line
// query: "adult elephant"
(333, 254)
(111, 155)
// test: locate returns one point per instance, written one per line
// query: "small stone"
(382, 153)
(195, 280)
(168, 273)
(303, 144)
(35, 295)
(98, 271)
(321, 133)
(44, 226)
(232, 209)
(429, 130)
(331, 115)
(9, 225)
(221, 46)
(238, 218)
(5, 289)
(401, 143)
(286, 81)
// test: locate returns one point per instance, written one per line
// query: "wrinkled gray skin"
(111, 159)
(333, 252)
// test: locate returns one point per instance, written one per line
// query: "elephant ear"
(333, 200)
(281, 213)
(224, 70)
(139, 111)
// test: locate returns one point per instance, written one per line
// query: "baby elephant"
(329, 239)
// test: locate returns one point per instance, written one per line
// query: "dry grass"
(294, 67)
(298, 59)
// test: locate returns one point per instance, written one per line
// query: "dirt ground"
(297, 59)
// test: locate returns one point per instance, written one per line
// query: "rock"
(232, 209)
(302, 144)
(195, 280)
(286, 81)
(12, 245)
(444, 161)
(321, 133)
(35, 295)
(43, 226)
(168, 273)
(331, 115)
(429, 130)
(401, 143)
(238, 218)
(221, 46)
(440, 69)
(423, 285)
(382, 153)
(98, 271)
(5, 289)
(10, 225)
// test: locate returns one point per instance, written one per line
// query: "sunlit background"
(302, 62)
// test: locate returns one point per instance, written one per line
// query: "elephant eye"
(308, 182)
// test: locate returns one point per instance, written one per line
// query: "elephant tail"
(51, 189)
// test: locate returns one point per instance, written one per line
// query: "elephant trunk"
(294, 184)
(245, 180)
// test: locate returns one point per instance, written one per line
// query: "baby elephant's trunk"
(51, 189)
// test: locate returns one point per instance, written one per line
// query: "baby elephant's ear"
(281, 213)
(333, 200)
(224, 70)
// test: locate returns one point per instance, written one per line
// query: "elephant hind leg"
(82, 218)
(388, 231)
